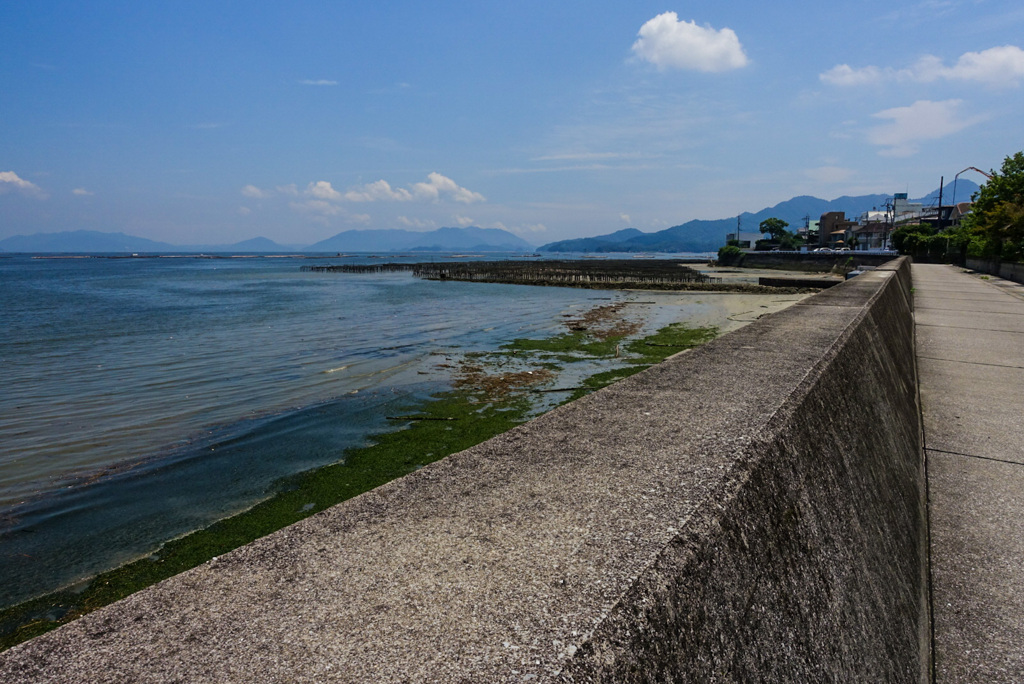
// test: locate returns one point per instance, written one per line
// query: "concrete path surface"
(970, 354)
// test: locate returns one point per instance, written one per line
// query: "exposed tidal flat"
(290, 392)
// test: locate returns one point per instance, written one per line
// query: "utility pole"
(939, 215)
(890, 220)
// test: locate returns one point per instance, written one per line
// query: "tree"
(909, 239)
(997, 215)
(775, 227)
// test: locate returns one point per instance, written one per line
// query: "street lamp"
(957, 177)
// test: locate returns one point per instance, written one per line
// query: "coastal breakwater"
(601, 273)
(751, 510)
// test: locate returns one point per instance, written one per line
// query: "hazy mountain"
(96, 242)
(82, 241)
(442, 239)
(709, 235)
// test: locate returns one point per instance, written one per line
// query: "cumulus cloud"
(845, 75)
(255, 193)
(81, 192)
(464, 221)
(435, 188)
(625, 218)
(996, 66)
(438, 186)
(11, 182)
(923, 120)
(669, 43)
(378, 191)
(322, 190)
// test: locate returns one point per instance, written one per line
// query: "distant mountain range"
(692, 236)
(442, 239)
(708, 236)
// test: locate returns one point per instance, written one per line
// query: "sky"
(217, 121)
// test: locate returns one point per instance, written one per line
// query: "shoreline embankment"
(752, 510)
(608, 274)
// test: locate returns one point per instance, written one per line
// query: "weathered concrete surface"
(1009, 272)
(971, 363)
(706, 520)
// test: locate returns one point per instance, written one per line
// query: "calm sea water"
(144, 398)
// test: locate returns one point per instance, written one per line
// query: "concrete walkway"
(970, 353)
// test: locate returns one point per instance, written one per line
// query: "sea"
(142, 398)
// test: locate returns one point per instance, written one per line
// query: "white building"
(746, 240)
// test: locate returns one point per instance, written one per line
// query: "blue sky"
(213, 122)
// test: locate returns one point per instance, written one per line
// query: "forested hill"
(709, 235)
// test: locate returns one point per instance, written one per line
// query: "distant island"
(440, 240)
(692, 236)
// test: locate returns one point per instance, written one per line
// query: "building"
(832, 229)
(903, 210)
(745, 240)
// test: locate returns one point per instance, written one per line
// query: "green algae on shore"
(484, 402)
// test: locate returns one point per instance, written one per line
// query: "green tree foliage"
(730, 255)
(997, 217)
(775, 227)
(923, 242)
(780, 237)
(908, 239)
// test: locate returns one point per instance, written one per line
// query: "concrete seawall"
(706, 520)
(1007, 270)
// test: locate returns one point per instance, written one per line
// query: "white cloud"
(464, 221)
(322, 190)
(81, 192)
(291, 190)
(625, 218)
(254, 192)
(667, 42)
(244, 211)
(416, 223)
(10, 181)
(434, 189)
(318, 82)
(923, 120)
(378, 191)
(359, 218)
(845, 75)
(996, 66)
(438, 185)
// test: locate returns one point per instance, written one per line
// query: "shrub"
(730, 255)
